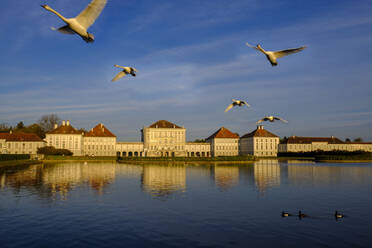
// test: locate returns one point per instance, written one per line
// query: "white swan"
(272, 56)
(125, 71)
(80, 24)
(271, 119)
(236, 103)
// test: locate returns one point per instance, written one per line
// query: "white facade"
(260, 143)
(20, 143)
(196, 149)
(3, 146)
(164, 139)
(99, 141)
(224, 143)
(311, 144)
(225, 146)
(66, 137)
(99, 146)
(130, 149)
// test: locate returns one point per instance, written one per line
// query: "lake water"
(214, 205)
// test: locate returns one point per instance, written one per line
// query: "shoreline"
(11, 163)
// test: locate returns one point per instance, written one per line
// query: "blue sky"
(192, 60)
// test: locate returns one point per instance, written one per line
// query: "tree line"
(40, 128)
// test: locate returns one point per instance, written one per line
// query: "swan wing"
(229, 107)
(282, 53)
(119, 66)
(65, 30)
(254, 47)
(244, 102)
(280, 119)
(118, 76)
(89, 15)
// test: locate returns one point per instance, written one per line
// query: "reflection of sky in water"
(205, 205)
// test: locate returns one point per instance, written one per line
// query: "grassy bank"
(344, 159)
(190, 159)
(329, 156)
(78, 158)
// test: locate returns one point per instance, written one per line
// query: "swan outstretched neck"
(47, 7)
(272, 56)
(83, 21)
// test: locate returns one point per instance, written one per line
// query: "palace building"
(166, 139)
(259, 143)
(224, 143)
(99, 141)
(20, 143)
(66, 137)
(310, 144)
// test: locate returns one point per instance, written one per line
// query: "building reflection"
(57, 179)
(326, 175)
(266, 174)
(161, 181)
(21, 178)
(225, 177)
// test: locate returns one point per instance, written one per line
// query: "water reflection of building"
(50, 179)
(19, 179)
(63, 177)
(225, 177)
(314, 175)
(162, 181)
(266, 174)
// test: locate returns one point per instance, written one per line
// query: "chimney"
(68, 123)
(55, 126)
(63, 123)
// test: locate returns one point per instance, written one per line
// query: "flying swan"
(124, 72)
(272, 56)
(80, 24)
(271, 119)
(236, 103)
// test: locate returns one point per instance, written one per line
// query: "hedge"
(324, 153)
(8, 157)
(50, 150)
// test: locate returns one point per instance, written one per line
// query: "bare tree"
(47, 122)
(5, 127)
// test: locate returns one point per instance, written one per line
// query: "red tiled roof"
(260, 132)
(224, 133)
(64, 129)
(27, 137)
(309, 140)
(164, 124)
(99, 131)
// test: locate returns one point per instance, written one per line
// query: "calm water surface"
(119, 205)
